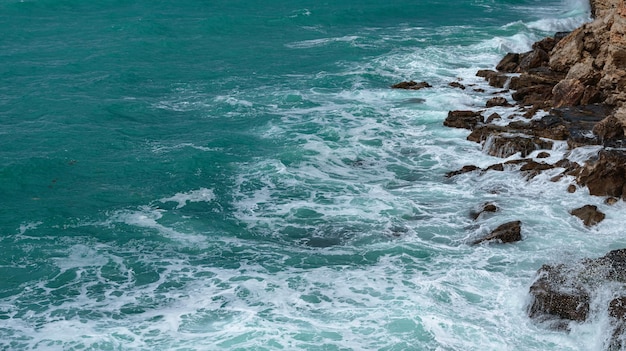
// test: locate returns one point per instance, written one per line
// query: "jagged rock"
(492, 117)
(463, 119)
(457, 85)
(464, 169)
(497, 101)
(509, 63)
(605, 176)
(562, 293)
(611, 200)
(567, 92)
(411, 85)
(538, 95)
(571, 188)
(533, 59)
(506, 233)
(505, 144)
(543, 154)
(589, 214)
(495, 79)
(496, 167)
(486, 207)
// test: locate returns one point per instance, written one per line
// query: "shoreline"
(570, 87)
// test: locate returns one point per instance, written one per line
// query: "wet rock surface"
(505, 233)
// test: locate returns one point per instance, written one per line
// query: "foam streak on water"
(248, 181)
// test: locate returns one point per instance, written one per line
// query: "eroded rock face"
(605, 176)
(563, 293)
(589, 214)
(463, 119)
(505, 144)
(506, 233)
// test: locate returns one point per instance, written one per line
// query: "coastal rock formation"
(506, 233)
(589, 214)
(564, 293)
(411, 85)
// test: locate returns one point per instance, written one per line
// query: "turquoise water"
(239, 176)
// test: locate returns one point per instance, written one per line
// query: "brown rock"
(509, 63)
(605, 176)
(492, 117)
(571, 188)
(464, 169)
(504, 144)
(497, 101)
(496, 167)
(567, 92)
(411, 85)
(543, 154)
(463, 119)
(554, 297)
(457, 85)
(589, 215)
(506, 233)
(611, 200)
(486, 207)
(609, 129)
(533, 59)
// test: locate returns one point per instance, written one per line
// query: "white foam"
(200, 195)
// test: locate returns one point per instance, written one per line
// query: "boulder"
(506, 233)
(563, 293)
(457, 85)
(411, 85)
(605, 176)
(497, 101)
(589, 214)
(464, 169)
(567, 92)
(505, 144)
(463, 119)
(486, 207)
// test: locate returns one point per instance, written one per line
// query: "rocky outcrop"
(463, 119)
(564, 293)
(606, 175)
(589, 214)
(505, 233)
(411, 85)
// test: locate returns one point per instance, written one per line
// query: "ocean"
(238, 175)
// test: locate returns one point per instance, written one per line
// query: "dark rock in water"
(589, 214)
(496, 167)
(464, 169)
(562, 293)
(457, 85)
(322, 242)
(505, 145)
(495, 79)
(554, 296)
(411, 85)
(506, 233)
(543, 154)
(492, 117)
(509, 63)
(463, 119)
(571, 189)
(497, 101)
(487, 207)
(605, 176)
(611, 200)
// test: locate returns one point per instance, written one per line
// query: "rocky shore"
(570, 87)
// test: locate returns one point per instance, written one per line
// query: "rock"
(543, 154)
(492, 117)
(506, 233)
(554, 296)
(605, 176)
(562, 293)
(567, 92)
(505, 144)
(497, 101)
(533, 59)
(495, 79)
(509, 63)
(609, 130)
(611, 200)
(411, 85)
(571, 189)
(486, 207)
(463, 119)
(589, 215)
(457, 85)
(539, 95)
(464, 169)
(496, 167)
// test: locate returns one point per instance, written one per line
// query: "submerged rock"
(506, 233)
